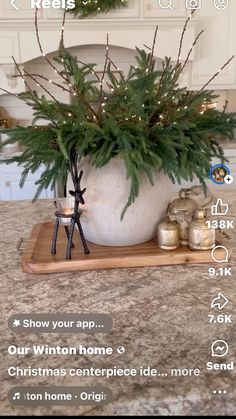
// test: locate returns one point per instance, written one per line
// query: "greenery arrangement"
(144, 117)
(86, 8)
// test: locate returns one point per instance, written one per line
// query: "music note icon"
(16, 396)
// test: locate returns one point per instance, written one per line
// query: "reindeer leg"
(67, 230)
(85, 246)
(54, 239)
(69, 245)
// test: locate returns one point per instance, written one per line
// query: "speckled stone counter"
(160, 316)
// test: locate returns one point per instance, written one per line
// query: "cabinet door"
(164, 8)
(10, 188)
(7, 11)
(215, 46)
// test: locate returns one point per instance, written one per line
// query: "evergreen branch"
(84, 9)
(55, 69)
(31, 76)
(39, 76)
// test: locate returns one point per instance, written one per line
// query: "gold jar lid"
(182, 205)
(168, 226)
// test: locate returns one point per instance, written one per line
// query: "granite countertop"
(160, 316)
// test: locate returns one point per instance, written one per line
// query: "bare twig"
(21, 74)
(103, 75)
(39, 76)
(43, 87)
(56, 70)
(63, 30)
(182, 35)
(90, 66)
(191, 49)
(117, 68)
(216, 74)
(225, 106)
(15, 95)
(153, 49)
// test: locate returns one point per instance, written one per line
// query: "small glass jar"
(65, 206)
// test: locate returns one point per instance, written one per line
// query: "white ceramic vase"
(106, 195)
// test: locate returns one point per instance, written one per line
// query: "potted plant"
(133, 142)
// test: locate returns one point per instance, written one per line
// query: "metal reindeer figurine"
(75, 214)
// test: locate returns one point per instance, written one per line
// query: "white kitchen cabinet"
(9, 46)
(215, 47)
(153, 9)
(7, 11)
(9, 184)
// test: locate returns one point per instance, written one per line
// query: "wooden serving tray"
(37, 258)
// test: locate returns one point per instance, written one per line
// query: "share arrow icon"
(219, 302)
(12, 3)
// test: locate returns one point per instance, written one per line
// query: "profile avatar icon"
(219, 173)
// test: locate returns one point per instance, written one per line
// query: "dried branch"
(225, 106)
(21, 74)
(41, 85)
(191, 49)
(216, 74)
(39, 76)
(182, 35)
(153, 49)
(56, 70)
(103, 75)
(15, 95)
(117, 68)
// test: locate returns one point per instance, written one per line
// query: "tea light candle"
(67, 220)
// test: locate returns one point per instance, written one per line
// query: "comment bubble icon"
(220, 254)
